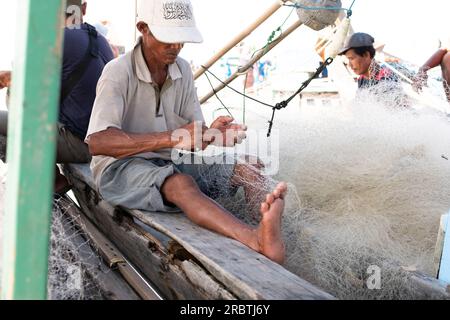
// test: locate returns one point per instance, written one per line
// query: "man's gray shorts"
(135, 183)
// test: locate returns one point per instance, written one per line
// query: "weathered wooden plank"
(197, 276)
(177, 228)
(246, 273)
(161, 266)
(136, 282)
(111, 284)
(111, 255)
(431, 288)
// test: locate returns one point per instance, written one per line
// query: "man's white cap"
(170, 21)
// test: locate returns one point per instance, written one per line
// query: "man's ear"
(142, 27)
(84, 8)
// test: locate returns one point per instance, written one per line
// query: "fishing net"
(432, 85)
(69, 278)
(372, 186)
(320, 18)
(369, 182)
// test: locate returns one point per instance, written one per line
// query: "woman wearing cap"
(360, 52)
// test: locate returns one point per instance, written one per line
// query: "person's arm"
(118, 144)
(5, 79)
(434, 61)
(421, 78)
(224, 133)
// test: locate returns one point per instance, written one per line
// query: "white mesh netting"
(368, 182)
(368, 185)
(68, 277)
(321, 18)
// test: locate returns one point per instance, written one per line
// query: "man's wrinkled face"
(359, 64)
(166, 53)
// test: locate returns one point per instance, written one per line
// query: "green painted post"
(31, 149)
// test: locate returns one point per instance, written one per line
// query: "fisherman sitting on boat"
(84, 57)
(373, 77)
(147, 108)
(442, 58)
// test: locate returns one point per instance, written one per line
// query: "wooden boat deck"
(185, 261)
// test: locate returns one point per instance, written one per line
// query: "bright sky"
(410, 28)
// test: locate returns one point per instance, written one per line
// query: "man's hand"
(225, 133)
(190, 137)
(420, 80)
(5, 79)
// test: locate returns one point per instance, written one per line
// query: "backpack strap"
(91, 53)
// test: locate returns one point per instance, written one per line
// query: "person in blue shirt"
(85, 54)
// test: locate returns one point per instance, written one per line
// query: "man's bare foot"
(269, 231)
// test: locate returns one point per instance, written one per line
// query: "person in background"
(85, 55)
(373, 77)
(440, 58)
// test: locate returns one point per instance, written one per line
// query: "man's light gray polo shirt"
(128, 100)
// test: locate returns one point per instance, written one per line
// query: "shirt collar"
(142, 71)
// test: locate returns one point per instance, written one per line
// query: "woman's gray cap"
(357, 40)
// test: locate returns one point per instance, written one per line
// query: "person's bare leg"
(445, 66)
(182, 191)
(250, 178)
(255, 185)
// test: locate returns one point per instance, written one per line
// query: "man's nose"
(177, 46)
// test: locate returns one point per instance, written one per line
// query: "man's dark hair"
(360, 51)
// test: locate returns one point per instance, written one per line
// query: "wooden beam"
(165, 267)
(111, 255)
(196, 263)
(111, 284)
(256, 58)
(244, 34)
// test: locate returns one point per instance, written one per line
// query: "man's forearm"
(435, 60)
(118, 144)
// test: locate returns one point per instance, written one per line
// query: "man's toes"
(281, 190)
(265, 207)
(282, 187)
(277, 193)
(270, 199)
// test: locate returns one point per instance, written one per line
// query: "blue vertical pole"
(444, 270)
